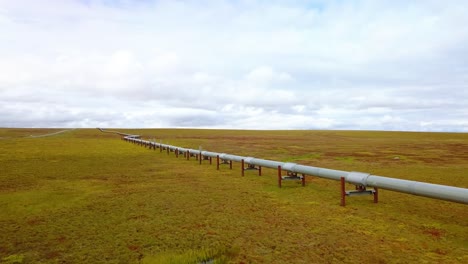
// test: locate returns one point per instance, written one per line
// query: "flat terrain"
(83, 196)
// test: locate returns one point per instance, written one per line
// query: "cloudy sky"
(378, 65)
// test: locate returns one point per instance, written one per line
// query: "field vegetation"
(84, 196)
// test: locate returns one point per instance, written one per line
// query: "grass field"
(87, 197)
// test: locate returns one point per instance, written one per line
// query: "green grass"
(88, 197)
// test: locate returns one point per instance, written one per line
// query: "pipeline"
(436, 191)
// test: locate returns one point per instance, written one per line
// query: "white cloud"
(247, 64)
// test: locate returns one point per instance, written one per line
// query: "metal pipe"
(436, 191)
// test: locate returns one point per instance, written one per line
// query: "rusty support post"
(200, 158)
(303, 180)
(210, 161)
(177, 152)
(217, 162)
(160, 147)
(279, 176)
(376, 195)
(167, 148)
(343, 192)
(188, 154)
(242, 166)
(259, 170)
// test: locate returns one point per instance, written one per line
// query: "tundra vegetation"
(87, 197)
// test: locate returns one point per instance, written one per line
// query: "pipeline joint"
(288, 166)
(357, 178)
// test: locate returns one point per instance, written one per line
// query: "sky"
(347, 65)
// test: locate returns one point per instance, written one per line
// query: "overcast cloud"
(380, 65)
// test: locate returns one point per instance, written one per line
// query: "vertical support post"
(376, 195)
(303, 180)
(343, 192)
(230, 164)
(160, 147)
(259, 170)
(167, 148)
(217, 162)
(279, 176)
(210, 161)
(200, 158)
(177, 152)
(188, 154)
(196, 156)
(242, 166)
